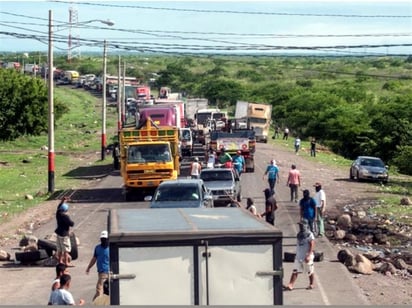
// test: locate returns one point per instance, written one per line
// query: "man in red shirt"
(293, 183)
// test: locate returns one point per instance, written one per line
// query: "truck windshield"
(149, 153)
(258, 120)
(201, 118)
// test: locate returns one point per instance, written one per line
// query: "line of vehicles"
(165, 131)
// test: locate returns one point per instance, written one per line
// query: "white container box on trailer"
(193, 256)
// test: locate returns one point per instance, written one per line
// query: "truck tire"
(31, 256)
(47, 245)
(74, 253)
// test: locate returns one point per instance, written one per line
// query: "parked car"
(369, 168)
(181, 193)
(223, 183)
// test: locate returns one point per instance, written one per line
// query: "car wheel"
(239, 197)
(357, 177)
(351, 175)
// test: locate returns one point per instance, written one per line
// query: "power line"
(234, 12)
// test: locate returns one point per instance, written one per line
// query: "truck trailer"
(194, 256)
(258, 116)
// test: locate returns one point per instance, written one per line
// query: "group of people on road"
(60, 294)
(311, 217)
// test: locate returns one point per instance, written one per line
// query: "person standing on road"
(320, 198)
(297, 145)
(272, 172)
(308, 209)
(270, 207)
(293, 182)
(63, 244)
(61, 269)
(313, 147)
(304, 259)
(286, 133)
(195, 168)
(62, 296)
(239, 163)
(101, 259)
(250, 206)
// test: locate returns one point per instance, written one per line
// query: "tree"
(23, 105)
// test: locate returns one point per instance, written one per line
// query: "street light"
(50, 70)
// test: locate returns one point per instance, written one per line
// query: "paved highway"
(30, 285)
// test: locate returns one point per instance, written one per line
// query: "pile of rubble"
(371, 243)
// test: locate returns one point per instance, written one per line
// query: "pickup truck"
(224, 184)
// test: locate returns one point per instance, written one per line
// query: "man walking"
(293, 182)
(239, 163)
(304, 256)
(270, 207)
(195, 168)
(320, 198)
(272, 171)
(308, 209)
(101, 258)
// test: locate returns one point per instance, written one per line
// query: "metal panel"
(164, 276)
(232, 274)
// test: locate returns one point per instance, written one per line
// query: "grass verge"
(24, 161)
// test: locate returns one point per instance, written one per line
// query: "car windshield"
(372, 162)
(216, 176)
(177, 193)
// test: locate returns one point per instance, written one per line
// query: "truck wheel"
(47, 245)
(31, 256)
(289, 257)
(74, 253)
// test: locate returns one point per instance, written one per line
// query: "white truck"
(257, 116)
(193, 105)
(194, 256)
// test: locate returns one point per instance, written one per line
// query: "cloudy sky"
(343, 27)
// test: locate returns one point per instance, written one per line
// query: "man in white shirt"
(320, 198)
(195, 169)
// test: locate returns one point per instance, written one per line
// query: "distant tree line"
(354, 106)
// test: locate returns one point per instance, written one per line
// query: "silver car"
(181, 193)
(369, 168)
(224, 184)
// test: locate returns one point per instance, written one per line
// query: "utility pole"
(119, 98)
(50, 72)
(104, 102)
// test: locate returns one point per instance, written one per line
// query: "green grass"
(24, 165)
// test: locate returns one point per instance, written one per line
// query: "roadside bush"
(403, 158)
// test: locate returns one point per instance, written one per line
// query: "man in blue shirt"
(308, 209)
(239, 162)
(101, 259)
(272, 171)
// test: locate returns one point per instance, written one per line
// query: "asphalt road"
(30, 285)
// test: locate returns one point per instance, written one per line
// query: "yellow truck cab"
(148, 156)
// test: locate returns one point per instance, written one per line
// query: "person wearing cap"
(272, 172)
(64, 223)
(101, 259)
(308, 209)
(239, 162)
(320, 198)
(195, 168)
(305, 255)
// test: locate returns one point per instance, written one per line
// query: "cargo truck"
(149, 155)
(194, 256)
(257, 115)
(242, 140)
